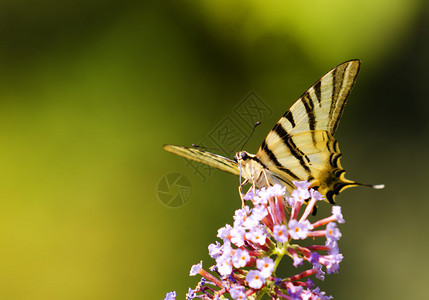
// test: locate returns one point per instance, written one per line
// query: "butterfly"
(301, 145)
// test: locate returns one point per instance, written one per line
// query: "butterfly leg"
(240, 191)
(252, 188)
(266, 177)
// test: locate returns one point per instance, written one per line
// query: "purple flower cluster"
(251, 249)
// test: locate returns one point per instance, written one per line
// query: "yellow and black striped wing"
(321, 106)
(301, 145)
(317, 160)
(211, 159)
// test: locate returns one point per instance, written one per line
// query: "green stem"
(280, 253)
(260, 295)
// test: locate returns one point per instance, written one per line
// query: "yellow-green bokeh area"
(91, 90)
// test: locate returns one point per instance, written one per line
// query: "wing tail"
(313, 156)
(343, 184)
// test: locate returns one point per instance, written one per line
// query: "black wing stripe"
(338, 187)
(281, 132)
(335, 146)
(207, 158)
(309, 108)
(337, 86)
(341, 186)
(335, 91)
(294, 150)
(345, 96)
(204, 154)
(318, 92)
(332, 146)
(338, 172)
(337, 121)
(273, 158)
(258, 161)
(288, 115)
(333, 160)
(330, 197)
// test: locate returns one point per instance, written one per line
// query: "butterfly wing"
(321, 106)
(316, 160)
(301, 145)
(211, 159)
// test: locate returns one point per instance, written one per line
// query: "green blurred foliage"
(90, 90)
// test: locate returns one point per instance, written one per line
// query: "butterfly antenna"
(250, 135)
(216, 149)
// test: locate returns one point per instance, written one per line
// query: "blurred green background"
(91, 90)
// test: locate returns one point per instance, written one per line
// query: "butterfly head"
(241, 156)
(244, 157)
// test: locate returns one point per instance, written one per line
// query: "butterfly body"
(253, 170)
(301, 145)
